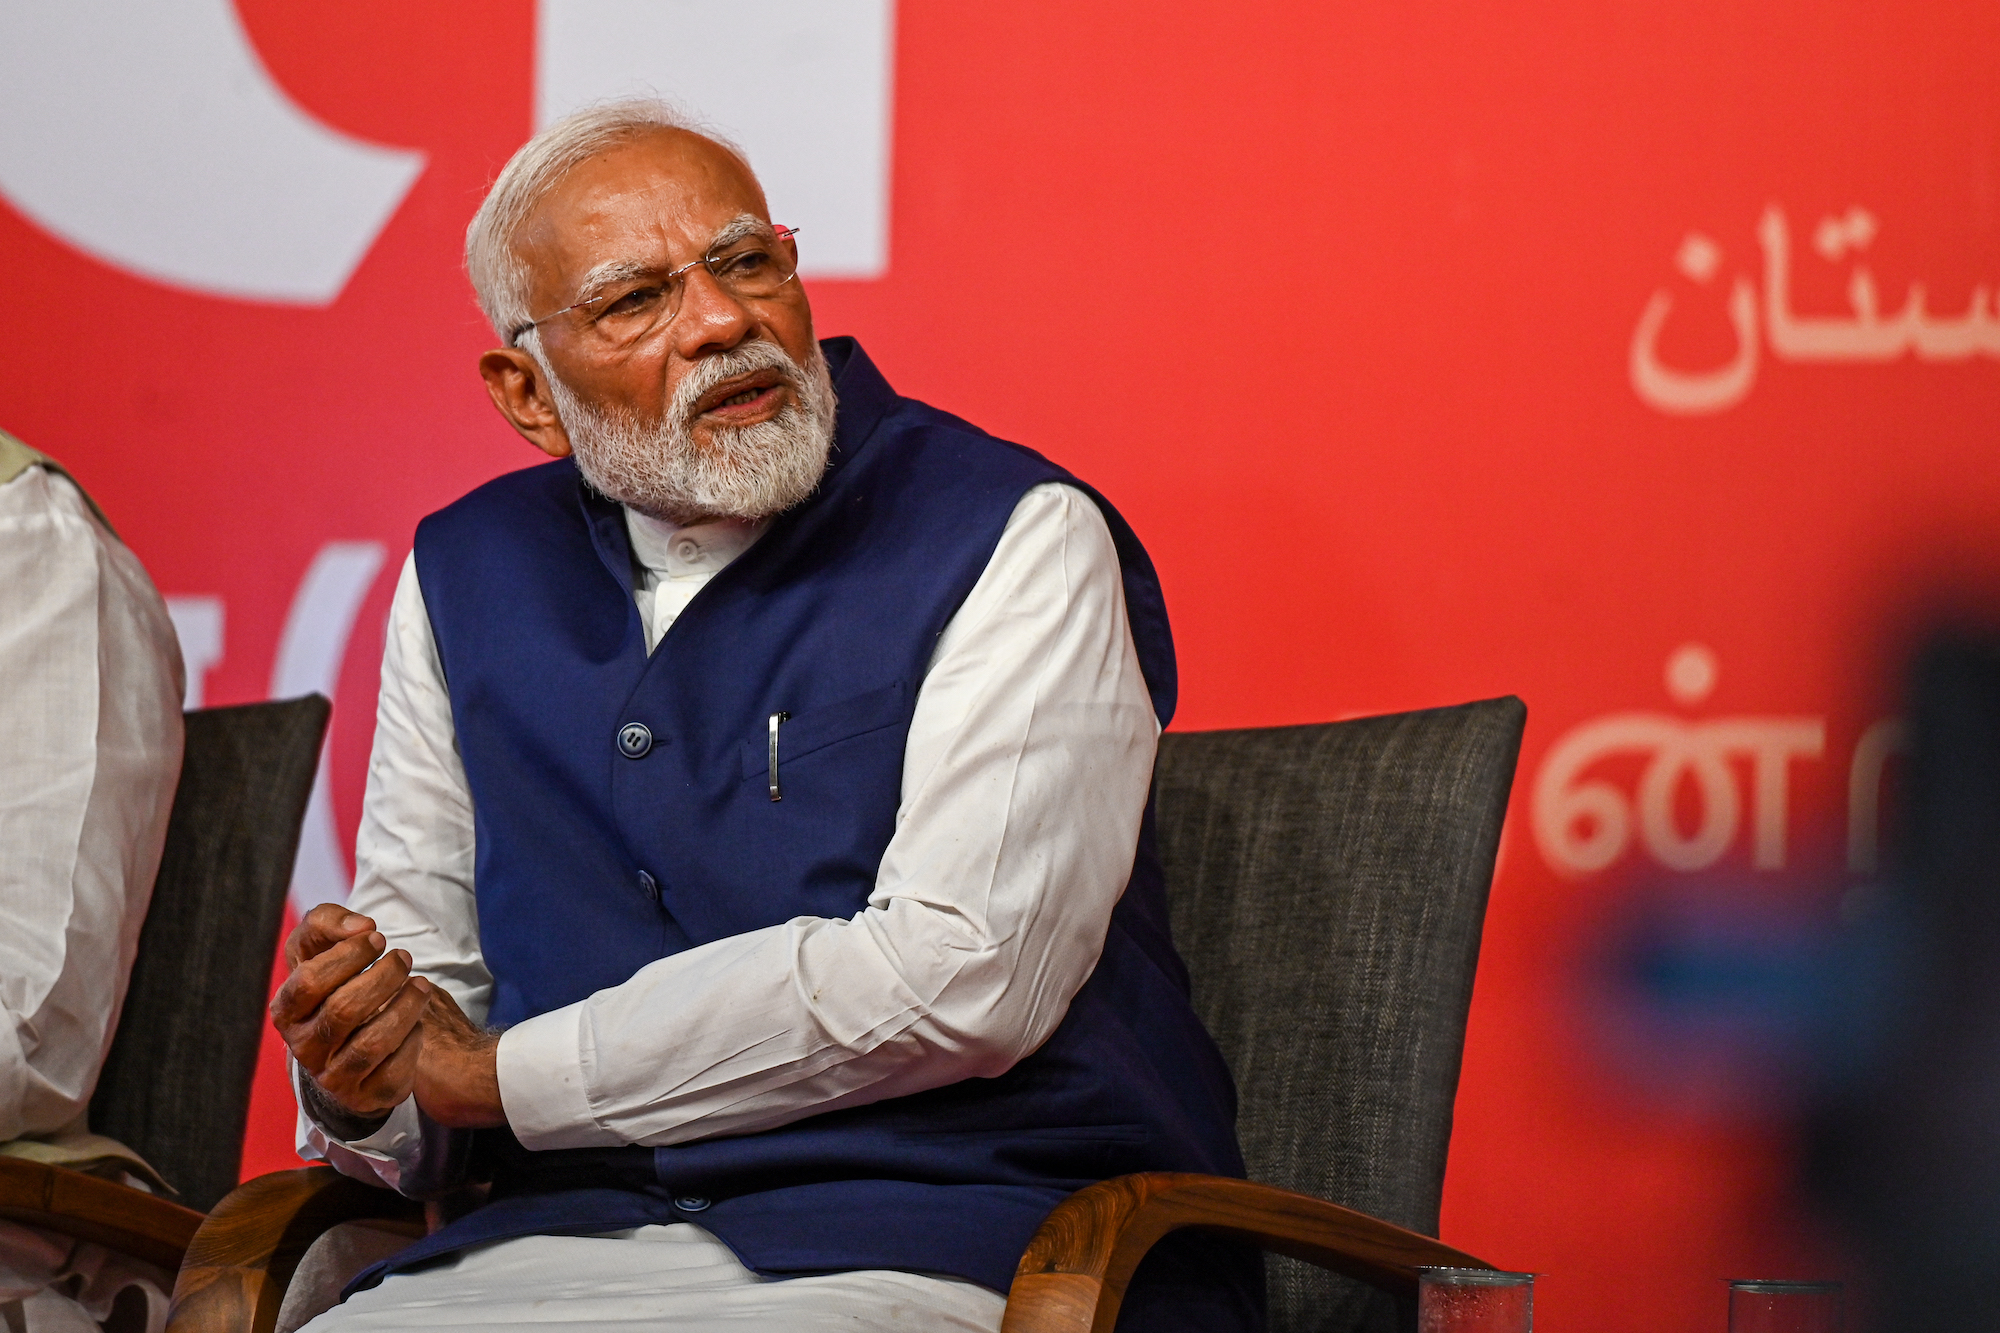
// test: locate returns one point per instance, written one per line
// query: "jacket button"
(634, 739)
(690, 1203)
(649, 886)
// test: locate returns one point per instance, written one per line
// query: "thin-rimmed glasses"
(631, 301)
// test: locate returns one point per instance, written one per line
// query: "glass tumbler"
(1784, 1307)
(1474, 1300)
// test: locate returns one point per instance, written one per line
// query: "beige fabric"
(75, 1148)
(16, 458)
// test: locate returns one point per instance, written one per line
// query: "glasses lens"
(749, 269)
(753, 268)
(630, 314)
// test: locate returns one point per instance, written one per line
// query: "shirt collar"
(665, 549)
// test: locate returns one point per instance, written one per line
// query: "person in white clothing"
(679, 370)
(90, 751)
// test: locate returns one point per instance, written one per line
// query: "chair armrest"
(1073, 1276)
(240, 1262)
(115, 1216)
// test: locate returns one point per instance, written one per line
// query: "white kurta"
(90, 750)
(1025, 775)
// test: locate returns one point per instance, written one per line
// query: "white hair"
(499, 278)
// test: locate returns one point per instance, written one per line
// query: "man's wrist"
(539, 1067)
(345, 1125)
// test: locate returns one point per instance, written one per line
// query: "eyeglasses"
(748, 267)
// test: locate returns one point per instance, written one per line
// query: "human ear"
(519, 389)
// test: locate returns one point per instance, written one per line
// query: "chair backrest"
(1328, 887)
(176, 1086)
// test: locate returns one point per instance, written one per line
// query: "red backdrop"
(1342, 305)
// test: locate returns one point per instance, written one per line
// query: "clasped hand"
(370, 1034)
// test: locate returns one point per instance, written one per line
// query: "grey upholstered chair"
(176, 1086)
(1328, 885)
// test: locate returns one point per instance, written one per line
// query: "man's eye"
(744, 264)
(635, 302)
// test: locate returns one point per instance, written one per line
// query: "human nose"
(710, 318)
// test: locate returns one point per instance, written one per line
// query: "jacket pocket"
(816, 728)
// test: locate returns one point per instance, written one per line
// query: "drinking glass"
(1474, 1300)
(1784, 1307)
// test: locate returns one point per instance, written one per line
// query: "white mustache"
(711, 371)
(740, 472)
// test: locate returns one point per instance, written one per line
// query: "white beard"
(747, 472)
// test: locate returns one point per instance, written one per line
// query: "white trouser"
(52, 1284)
(676, 1276)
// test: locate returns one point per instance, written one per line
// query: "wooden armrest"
(242, 1258)
(1073, 1277)
(115, 1216)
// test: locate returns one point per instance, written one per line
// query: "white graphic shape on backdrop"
(802, 85)
(1586, 823)
(1868, 335)
(1691, 673)
(198, 625)
(309, 657)
(152, 138)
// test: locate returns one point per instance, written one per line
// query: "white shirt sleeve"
(90, 752)
(1033, 716)
(413, 861)
(414, 852)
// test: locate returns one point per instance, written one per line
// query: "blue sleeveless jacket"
(622, 815)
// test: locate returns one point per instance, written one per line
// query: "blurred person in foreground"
(1902, 1144)
(90, 751)
(756, 849)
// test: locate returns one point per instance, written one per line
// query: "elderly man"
(756, 848)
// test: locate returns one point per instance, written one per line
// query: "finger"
(359, 1066)
(318, 977)
(372, 1046)
(317, 1036)
(313, 980)
(360, 999)
(395, 1077)
(321, 929)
